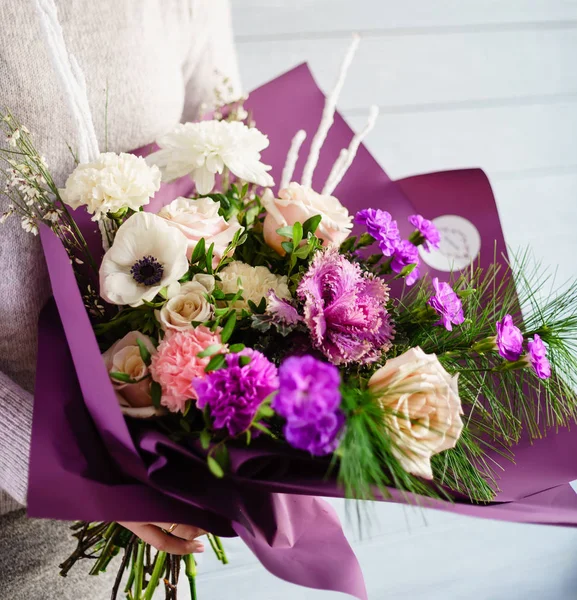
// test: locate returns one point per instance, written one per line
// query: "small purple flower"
(427, 231)
(447, 304)
(345, 310)
(381, 226)
(406, 254)
(281, 311)
(538, 359)
(234, 394)
(509, 339)
(309, 399)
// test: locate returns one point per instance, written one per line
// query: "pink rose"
(423, 408)
(199, 219)
(124, 357)
(297, 204)
(176, 364)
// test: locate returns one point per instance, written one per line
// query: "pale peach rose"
(124, 357)
(423, 408)
(199, 219)
(297, 204)
(186, 303)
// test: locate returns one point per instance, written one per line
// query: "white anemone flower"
(147, 255)
(205, 148)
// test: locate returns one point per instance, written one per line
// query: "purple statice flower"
(537, 356)
(234, 394)
(282, 312)
(309, 399)
(406, 254)
(345, 310)
(447, 304)
(509, 339)
(430, 235)
(381, 226)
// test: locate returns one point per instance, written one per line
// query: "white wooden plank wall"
(460, 83)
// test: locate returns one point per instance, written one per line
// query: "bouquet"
(232, 351)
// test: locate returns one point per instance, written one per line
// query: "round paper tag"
(460, 244)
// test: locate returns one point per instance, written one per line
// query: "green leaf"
(265, 411)
(244, 360)
(144, 352)
(236, 348)
(155, 393)
(198, 252)
(208, 258)
(228, 328)
(311, 225)
(348, 244)
(216, 362)
(185, 425)
(366, 239)
(302, 252)
(244, 190)
(218, 294)
(205, 439)
(222, 456)
(122, 377)
(286, 231)
(297, 234)
(214, 467)
(210, 351)
(407, 270)
(287, 247)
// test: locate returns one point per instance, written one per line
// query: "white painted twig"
(352, 150)
(328, 115)
(335, 170)
(292, 157)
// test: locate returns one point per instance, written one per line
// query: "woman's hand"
(181, 540)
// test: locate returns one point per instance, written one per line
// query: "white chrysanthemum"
(110, 183)
(147, 255)
(205, 148)
(255, 282)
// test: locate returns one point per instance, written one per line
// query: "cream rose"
(200, 219)
(423, 408)
(187, 303)
(255, 283)
(297, 204)
(124, 357)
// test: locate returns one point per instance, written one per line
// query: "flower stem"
(190, 570)
(139, 571)
(156, 573)
(223, 556)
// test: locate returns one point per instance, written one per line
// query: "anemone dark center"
(147, 271)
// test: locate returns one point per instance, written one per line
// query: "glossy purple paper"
(87, 463)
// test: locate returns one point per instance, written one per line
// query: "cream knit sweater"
(160, 60)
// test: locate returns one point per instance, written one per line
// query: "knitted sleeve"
(15, 433)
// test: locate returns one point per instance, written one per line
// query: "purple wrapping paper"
(87, 463)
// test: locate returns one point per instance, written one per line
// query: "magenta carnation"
(447, 304)
(509, 339)
(309, 399)
(234, 394)
(427, 232)
(345, 310)
(537, 356)
(176, 364)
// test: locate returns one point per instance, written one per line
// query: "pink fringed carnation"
(176, 365)
(345, 310)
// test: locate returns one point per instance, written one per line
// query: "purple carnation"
(234, 394)
(538, 359)
(380, 225)
(406, 253)
(509, 339)
(309, 399)
(427, 231)
(447, 304)
(345, 310)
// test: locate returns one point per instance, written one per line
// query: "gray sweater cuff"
(15, 433)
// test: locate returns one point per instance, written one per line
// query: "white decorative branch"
(292, 157)
(335, 170)
(328, 115)
(351, 152)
